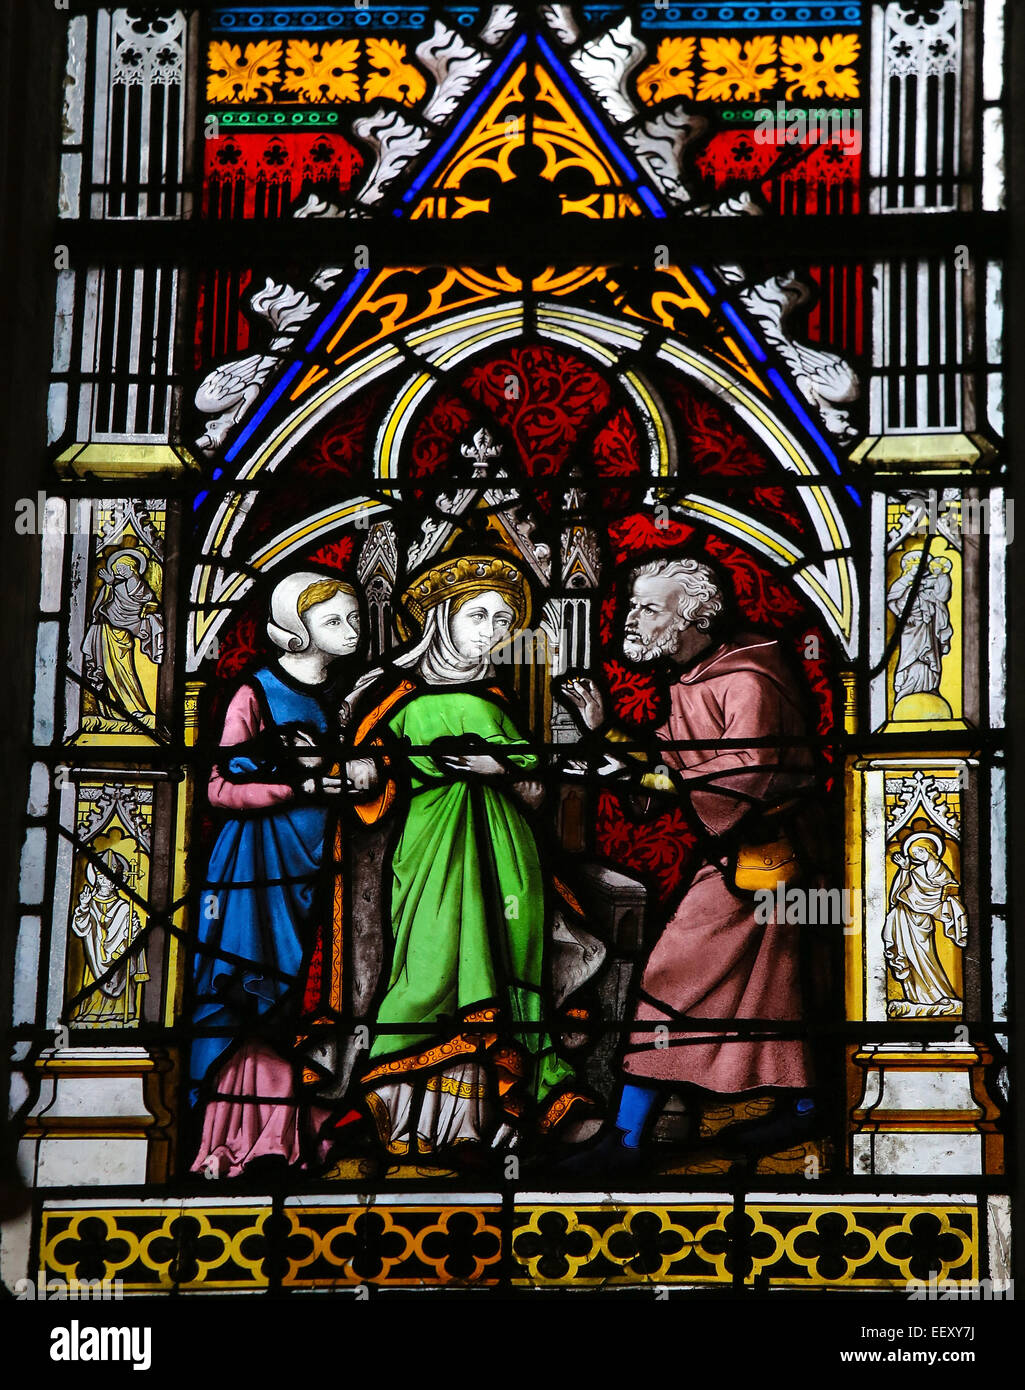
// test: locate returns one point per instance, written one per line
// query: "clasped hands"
(360, 773)
(484, 765)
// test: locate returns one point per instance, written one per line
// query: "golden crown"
(469, 574)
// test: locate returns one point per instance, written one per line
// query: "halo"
(130, 552)
(937, 840)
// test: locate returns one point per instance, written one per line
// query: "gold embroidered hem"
(382, 1123)
(460, 1069)
(560, 1108)
(449, 1086)
(462, 1045)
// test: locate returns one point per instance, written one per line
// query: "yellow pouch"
(765, 865)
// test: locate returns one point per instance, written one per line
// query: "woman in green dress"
(460, 1055)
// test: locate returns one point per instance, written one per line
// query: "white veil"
(437, 656)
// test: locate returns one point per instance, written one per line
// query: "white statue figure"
(126, 611)
(923, 897)
(107, 924)
(925, 639)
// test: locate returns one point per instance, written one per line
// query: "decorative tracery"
(631, 423)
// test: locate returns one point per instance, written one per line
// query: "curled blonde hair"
(321, 592)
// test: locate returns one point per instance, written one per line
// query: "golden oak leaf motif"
(391, 76)
(818, 69)
(733, 71)
(670, 74)
(233, 77)
(322, 72)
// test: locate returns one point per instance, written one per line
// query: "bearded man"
(731, 745)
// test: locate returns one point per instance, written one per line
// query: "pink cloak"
(714, 960)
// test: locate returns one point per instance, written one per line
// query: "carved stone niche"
(924, 647)
(913, 958)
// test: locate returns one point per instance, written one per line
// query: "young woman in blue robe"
(257, 913)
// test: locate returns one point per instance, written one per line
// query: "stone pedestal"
(100, 1119)
(617, 905)
(925, 1111)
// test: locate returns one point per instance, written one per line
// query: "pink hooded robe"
(714, 959)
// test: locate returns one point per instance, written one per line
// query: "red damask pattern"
(634, 694)
(547, 400)
(659, 849)
(713, 445)
(710, 440)
(766, 499)
(616, 447)
(336, 555)
(553, 409)
(343, 449)
(809, 640)
(435, 447)
(761, 599)
(240, 646)
(642, 531)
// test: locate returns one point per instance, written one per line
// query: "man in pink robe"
(728, 701)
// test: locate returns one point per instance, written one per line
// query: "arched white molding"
(829, 583)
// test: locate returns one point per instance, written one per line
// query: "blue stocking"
(635, 1107)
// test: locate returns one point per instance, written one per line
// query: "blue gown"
(258, 899)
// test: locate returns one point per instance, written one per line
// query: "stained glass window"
(518, 776)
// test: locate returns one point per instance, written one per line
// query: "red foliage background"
(561, 411)
(559, 397)
(713, 444)
(343, 448)
(435, 447)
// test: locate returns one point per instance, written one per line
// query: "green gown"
(468, 900)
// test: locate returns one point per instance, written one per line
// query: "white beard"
(636, 649)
